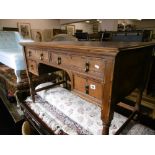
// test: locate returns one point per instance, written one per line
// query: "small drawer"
(88, 64)
(96, 64)
(61, 59)
(88, 87)
(95, 89)
(30, 53)
(42, 55)
(32, 67)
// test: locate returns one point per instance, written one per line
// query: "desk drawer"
(84, 64)
(61, 59)
(42, 55)
(30, 53)
(32, 67)
(88, 87)
(88, 64)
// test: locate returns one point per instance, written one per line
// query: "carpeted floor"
(143, 119)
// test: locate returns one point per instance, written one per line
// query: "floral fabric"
(66, 113)
(73, 114)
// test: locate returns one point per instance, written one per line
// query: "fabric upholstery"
(64, 111)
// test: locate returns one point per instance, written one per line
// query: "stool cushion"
(62, 110)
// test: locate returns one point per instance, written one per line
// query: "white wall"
(35, 23)
(68, 21)
(108, 25)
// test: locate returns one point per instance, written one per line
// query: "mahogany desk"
(100, 72)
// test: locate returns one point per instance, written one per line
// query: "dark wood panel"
(102, 73)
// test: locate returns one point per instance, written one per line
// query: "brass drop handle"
(30, 53)
(32, 67)
(87, 89)
(41, 56)
(59, 61)
(86, 67)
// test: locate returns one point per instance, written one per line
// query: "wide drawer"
(88, 64)
(60, 59)
(42, 55)
(32, 67)
(88, 87)
(80, 63)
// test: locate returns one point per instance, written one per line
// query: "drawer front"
(96, 64)
(81, 63)
(32, 67)
(30, 53)
(88, 64)
(95, 89)
(88, 87)
(60, 59)
(80, 83)
(42, 55)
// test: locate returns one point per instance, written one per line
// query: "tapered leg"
(138, 103)
(106, 127)
(106, 119)
(138, 100)
(32, 90)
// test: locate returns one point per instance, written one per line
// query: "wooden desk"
(100, 72)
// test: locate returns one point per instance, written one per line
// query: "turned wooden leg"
(32, 90)
(106, 127)
(138, 103)
(138, 100)
(106, 119)
(32, 95)
(65, 79)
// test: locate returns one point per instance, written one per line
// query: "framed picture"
(37, 35)
(70, 29)
(25, 30)
(48, 34)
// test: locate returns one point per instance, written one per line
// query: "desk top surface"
(110, 48)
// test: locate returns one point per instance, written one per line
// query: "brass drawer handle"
(41, 56)
(87, 89)
(32, 67)
(86, 67)
(30, 53)
(59, 61)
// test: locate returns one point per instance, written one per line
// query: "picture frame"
(70, 29)
(48, 34)
(24, 30)
(37, 35)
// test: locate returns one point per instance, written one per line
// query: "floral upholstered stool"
(66, 113)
